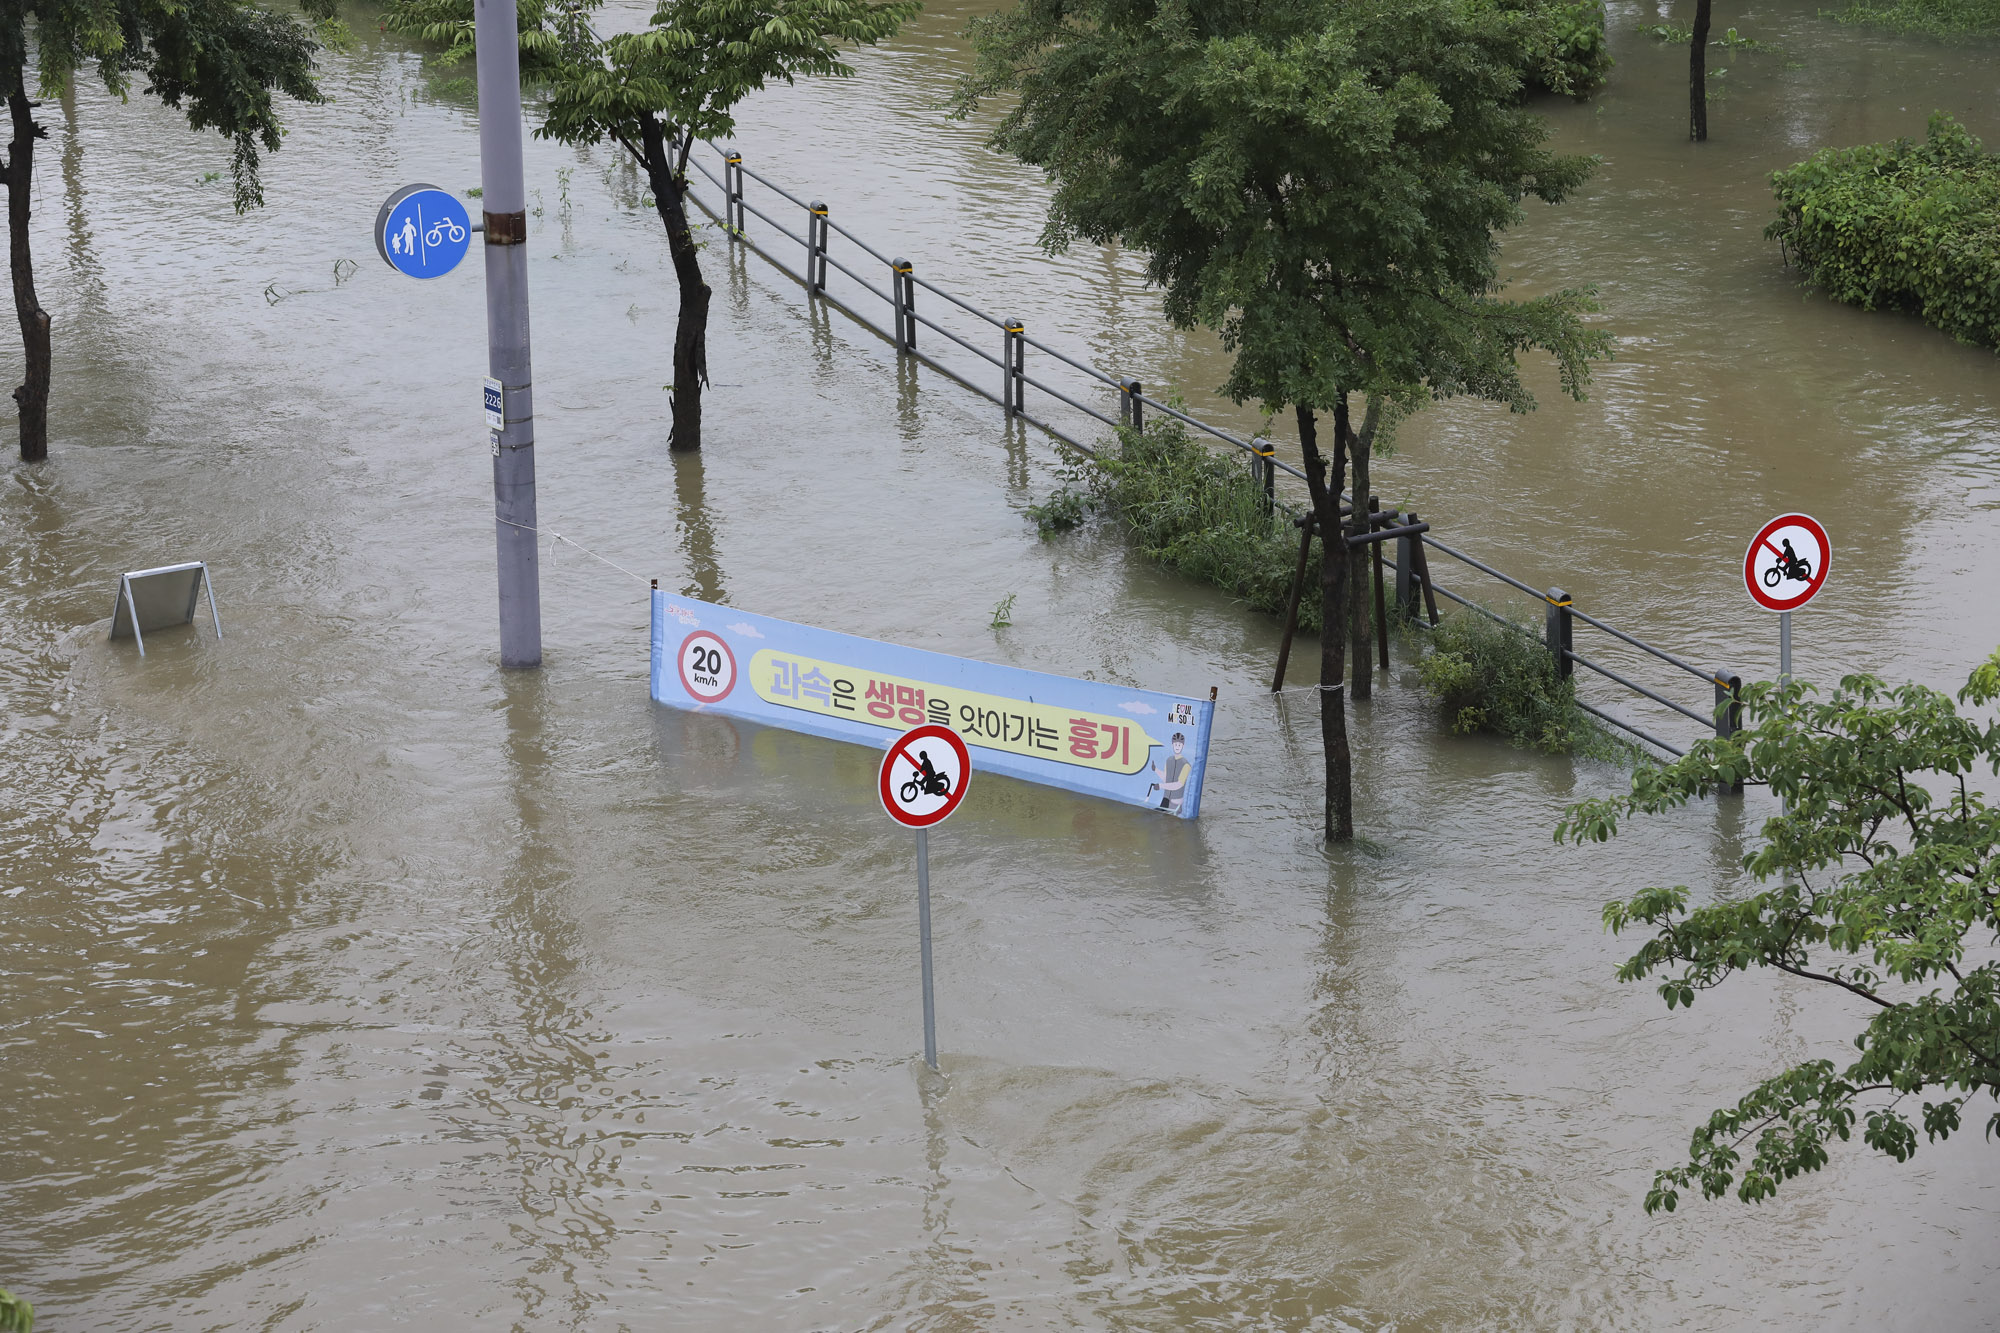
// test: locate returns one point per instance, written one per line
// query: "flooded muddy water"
(348, 982)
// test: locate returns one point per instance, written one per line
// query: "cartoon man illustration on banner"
(1174, 777)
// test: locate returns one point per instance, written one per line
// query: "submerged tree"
(1698, 74)
(220, 61)
(657, 92)
(1883, 869)
(1319, 181)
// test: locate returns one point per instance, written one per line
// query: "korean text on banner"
(1137, 746)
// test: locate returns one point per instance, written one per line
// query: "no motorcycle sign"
(1787, 562)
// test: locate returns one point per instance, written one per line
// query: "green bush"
(1905, 225)
(1502, 679)
(1931, 18)
(16, 1315)
(1575, 60)
(1197, 512)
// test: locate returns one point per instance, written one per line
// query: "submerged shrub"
(1575, 59)
(1501, 679)
(1199, 513)
(1906, 225)
(1568, 54)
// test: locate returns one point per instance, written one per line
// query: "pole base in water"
(924, 944)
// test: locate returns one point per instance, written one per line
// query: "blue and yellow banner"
(1135, 746)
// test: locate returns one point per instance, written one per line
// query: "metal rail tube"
(960, 302)
(774, 187)
(1092, 371)
(859, 244)
(984, 356)
(1636, 688)
(755, 211)
(831, 262)
(1198, 424)
(1484, 568)
(1064, 436)
(1650, 739)
(1064, 398)
(1641, 644)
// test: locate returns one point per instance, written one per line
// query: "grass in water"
(1931, 18)
(1197, 512)
(1501, 679)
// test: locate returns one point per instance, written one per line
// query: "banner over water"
(1135, 746)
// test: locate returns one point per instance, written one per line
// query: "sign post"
(505, 196)
(923, 779)
(421, 231)
(1784, 569)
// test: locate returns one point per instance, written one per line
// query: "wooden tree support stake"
(1292, 608)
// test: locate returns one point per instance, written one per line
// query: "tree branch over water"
(1843, 767)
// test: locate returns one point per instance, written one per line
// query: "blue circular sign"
(422, 231)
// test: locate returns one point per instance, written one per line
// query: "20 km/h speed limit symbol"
(1787, 562)
(924, 777)
(708, 668)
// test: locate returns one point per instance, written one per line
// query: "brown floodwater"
(346, 982)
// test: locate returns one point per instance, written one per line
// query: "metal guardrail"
(1133, 403)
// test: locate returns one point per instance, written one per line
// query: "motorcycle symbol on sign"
(1789, 566)
(927, 781)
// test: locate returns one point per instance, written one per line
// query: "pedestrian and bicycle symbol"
(924, 776)
(1787, 562)
(422, 231)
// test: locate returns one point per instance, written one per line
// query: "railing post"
(732, 193)
(1728, 702)
(816, 229)
(1013, 358)
(1556, 627)
(1376, 519)
(1130, 409)
(1406, 574)
(1423, 567)
(1728, 708)
(906, 304)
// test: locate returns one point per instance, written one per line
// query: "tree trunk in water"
(1361, 623)
(1332, 639)
(1698, 75)
(33, 395)
(691, 335)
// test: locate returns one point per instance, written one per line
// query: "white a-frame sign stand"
(159, 598)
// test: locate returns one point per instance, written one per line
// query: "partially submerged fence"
(1009, 371)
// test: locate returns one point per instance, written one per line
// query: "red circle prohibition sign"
(924, 776)
(1787, 562)
(707, 667)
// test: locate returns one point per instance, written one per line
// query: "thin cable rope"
(557, 536)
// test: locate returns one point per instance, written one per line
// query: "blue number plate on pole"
(422, 231)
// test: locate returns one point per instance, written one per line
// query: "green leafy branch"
(1883, 863)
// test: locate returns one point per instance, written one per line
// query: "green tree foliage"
(1906, 225)
(1882, 885)
(16, 1315)
(1319, 181)
(222, 62)
(1501, 679)
(656, 92)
